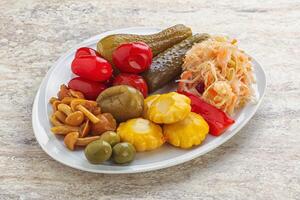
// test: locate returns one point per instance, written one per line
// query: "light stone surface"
(261, 162)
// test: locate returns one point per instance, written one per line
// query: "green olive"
(111, 137)
(123, 153)
(122, 101)
(98, 151)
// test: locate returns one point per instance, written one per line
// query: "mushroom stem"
(60, 116)
(64, 129)
(88, 114)
(54, 121)
(64, 108)
(85, 141)
(71, 139)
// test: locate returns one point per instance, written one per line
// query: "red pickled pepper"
(86, 51)
(90, 89)
(89, 65)
(217, 120)
(134, 57)
(132, 80)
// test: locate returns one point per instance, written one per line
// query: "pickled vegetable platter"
(121, 102)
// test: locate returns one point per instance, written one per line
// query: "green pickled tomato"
(111, 137)
(98, 151)
(123, 153)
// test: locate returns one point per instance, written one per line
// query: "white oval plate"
(164, 157)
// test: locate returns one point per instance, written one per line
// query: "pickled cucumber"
(158, 41)
(167, 65)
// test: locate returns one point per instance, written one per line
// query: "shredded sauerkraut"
(225, 70)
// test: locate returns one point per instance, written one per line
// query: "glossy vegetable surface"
(90, 89)
(98, 151)
(142, 133)
(92, 68)
(123, 153)
(122, 101)
(86, 51)
(134, 57)
(190, 131)
(132, 80)
(147, 103)
(217, 120)
(158, 42)
(111, 137)
(169, 108)
(167, 65)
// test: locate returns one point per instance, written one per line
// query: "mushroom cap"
(71, 139)
(75, 119)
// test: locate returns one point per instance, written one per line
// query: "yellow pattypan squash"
(169, 108)
(147, 103)
(188, 132)
(142, 133)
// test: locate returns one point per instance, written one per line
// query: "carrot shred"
(225, 70)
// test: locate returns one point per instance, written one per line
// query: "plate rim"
(147, 167)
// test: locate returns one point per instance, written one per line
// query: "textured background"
(261, 162)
